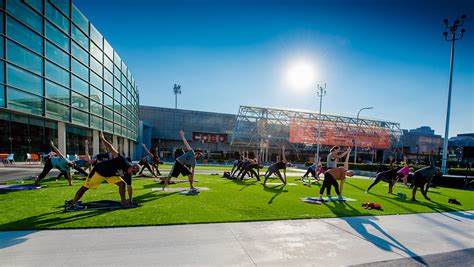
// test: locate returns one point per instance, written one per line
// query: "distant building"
(461, 147)
(421, 141)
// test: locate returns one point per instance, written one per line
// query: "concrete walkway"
(324, 242)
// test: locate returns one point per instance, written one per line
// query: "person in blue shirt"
(184, 164)
(60, 163)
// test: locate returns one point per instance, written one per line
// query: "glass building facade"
(56, 68)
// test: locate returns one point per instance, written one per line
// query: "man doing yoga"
(331, 176)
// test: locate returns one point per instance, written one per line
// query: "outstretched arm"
(346, 163)
(147, 151)
(344, 153)
(109, 146)
(86, 145)
(186, 144)
(283, 154)
(56, 150)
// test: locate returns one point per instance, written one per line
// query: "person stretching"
(59, 162)
(331, 176)
(333, 157)
(183, 164)
(404, 172)
(110, 171)
(422, 179)
(315, 169)
(251, 168)
(276, 167)
(144, 162)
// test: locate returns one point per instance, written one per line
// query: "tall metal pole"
(453, 29)
(358, 130)
(176, 90)
(321, 92)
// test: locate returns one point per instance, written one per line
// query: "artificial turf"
(228, 201)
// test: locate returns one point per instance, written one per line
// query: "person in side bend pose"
(111, 171)
(184, 164)
(245, 160)
(59, 162)
(333, 175)
(334, 157)
(404, 171)
(145, 162)
(422, 179)
(155, 164)
(389, 176)
(236, 164)
(276, 167)
(251, 168)
(315, 169)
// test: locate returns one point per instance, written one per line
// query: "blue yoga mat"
(19, 187)
(332, 199)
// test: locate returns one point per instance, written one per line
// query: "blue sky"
(382, 53)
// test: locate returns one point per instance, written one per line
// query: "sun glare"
(300, 75)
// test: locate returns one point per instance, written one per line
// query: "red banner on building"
(333, 133)
(209, 137)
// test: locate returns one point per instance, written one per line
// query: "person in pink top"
(404, 172)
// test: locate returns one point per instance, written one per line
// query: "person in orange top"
(333, 175)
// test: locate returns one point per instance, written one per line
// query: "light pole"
(358, 130)
(176, 90)
(321, 92)
(453, 29)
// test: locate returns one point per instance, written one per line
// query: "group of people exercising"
(118, 170)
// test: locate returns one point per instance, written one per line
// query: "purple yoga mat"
(19, 187)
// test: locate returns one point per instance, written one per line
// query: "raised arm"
(283, 154)
(86, 145)
(186, 144)
(56, 150)
(346, 163)
(344, 153)
(147, 151)
(109, 146)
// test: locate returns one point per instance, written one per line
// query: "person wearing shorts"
(110, 171)
(184, 164)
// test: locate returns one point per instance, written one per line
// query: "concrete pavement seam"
(241, 245)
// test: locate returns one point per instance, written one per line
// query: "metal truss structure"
(256, 127)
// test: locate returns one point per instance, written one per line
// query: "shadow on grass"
(151, 196)
(362, 224)
(276, 190)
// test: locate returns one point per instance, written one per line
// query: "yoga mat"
(311, 201)
(176, 181)
(99, 205)
(178, 189)
(333, 199)
(280, 184)
(20, 187)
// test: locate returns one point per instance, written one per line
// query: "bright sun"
(300, 75)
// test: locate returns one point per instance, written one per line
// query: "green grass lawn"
(228, 201)
(167, 166)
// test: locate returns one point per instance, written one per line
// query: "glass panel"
(96, 108)
(108, 50)
(108, 64)
(80, 102)
(96, 122)
(80, 117)
(117, 118)
(96, 52)
(62, 5)
(57, 74)
(80, 70)
(95, 80)
(95, 94)
(108, 89)
(56, 92)
(80, 86)
(117, 107)
(2, 95)
(116, 95)
(117, 73)
(24, 80)
(1, 24)
(108, 102)
(21, 101)
(25, 14)
(57, 55)
(55, 16)
(108, 126)
(80, 37)
(96, 36)
(117, 129)
(57, 36)
(80, 54)
(80, 19)
(57, 111)
(24, 58)
(2, 72)
(117, 59)
(108, 114)
(36, 4)
(108, 76)
(24, 36)
(96, 66)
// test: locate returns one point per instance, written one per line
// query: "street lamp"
(358, 130)
(453, 29)
(321, 92)
(176, 90)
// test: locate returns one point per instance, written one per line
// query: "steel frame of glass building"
(58, 73)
